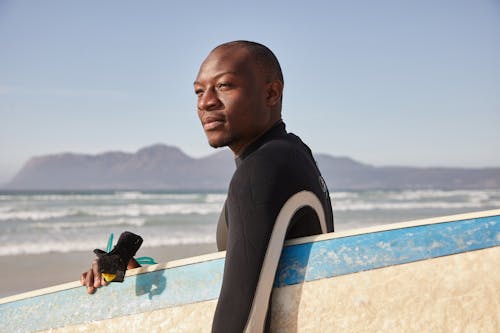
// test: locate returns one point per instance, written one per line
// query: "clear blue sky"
(384, 82)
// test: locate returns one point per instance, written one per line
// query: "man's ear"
(274, 92)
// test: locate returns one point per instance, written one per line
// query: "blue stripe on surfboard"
(139, 293)
(324, 259)
(202, 281)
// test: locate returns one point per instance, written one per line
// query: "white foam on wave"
(440, 194)
(415, 199)
(216, 198)
(54, 197)
(57, 226)
(156, 210)
(367, 206)
(36, 215)
(47, 247)
(132, 195)
(343, 195)
(130, 210)
(406, 195)
(187, 240)
(119, 195)
(72, 245)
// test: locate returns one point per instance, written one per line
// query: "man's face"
(231, 99)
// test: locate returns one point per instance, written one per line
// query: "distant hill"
(162, 167)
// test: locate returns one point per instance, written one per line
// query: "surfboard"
(440, 274)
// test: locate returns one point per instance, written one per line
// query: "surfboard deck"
(440, 274)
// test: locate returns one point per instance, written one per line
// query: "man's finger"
(89, 282)
(96, 273)
(83, 277)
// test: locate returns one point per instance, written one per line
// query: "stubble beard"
(224, 142)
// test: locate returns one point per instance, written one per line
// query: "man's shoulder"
(277, 150)
(279, 166)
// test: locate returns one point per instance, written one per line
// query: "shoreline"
(27, 272)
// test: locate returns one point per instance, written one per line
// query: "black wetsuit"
(268, 173)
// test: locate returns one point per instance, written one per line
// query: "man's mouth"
(211, 124)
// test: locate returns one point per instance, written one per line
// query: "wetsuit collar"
(278, 130)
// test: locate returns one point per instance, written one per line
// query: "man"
(239, 88)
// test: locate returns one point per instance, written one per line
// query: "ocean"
(48, 222)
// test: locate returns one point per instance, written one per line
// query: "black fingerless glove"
(112, 265)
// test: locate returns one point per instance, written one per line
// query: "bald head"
(239, 88)
(260, 54)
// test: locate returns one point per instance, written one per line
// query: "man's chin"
(219, 143)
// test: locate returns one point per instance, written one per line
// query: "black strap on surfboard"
(112, 265)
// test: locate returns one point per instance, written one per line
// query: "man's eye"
(198, 92)
(223, 85)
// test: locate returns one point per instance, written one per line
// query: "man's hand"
(92, 278)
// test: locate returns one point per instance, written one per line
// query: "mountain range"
(163, 167)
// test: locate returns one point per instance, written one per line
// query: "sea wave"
(58, 226)
(156, 210)
(441, 194)
(414, 199)
(42, 223)
(118, 195)
(132, 195)
(216, 198)
(66, 246)
(343, 195)
(367, 206)
(129, 210)
(5, 209)
(36, 215)
(405, 195)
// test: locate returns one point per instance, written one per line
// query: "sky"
(413, 83)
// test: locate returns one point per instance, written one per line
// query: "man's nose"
(209, 100)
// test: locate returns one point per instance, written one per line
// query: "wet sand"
(24, 273)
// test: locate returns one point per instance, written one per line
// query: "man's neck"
(240, 151)
(277, 130)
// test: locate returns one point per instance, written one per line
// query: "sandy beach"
(24, 273)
